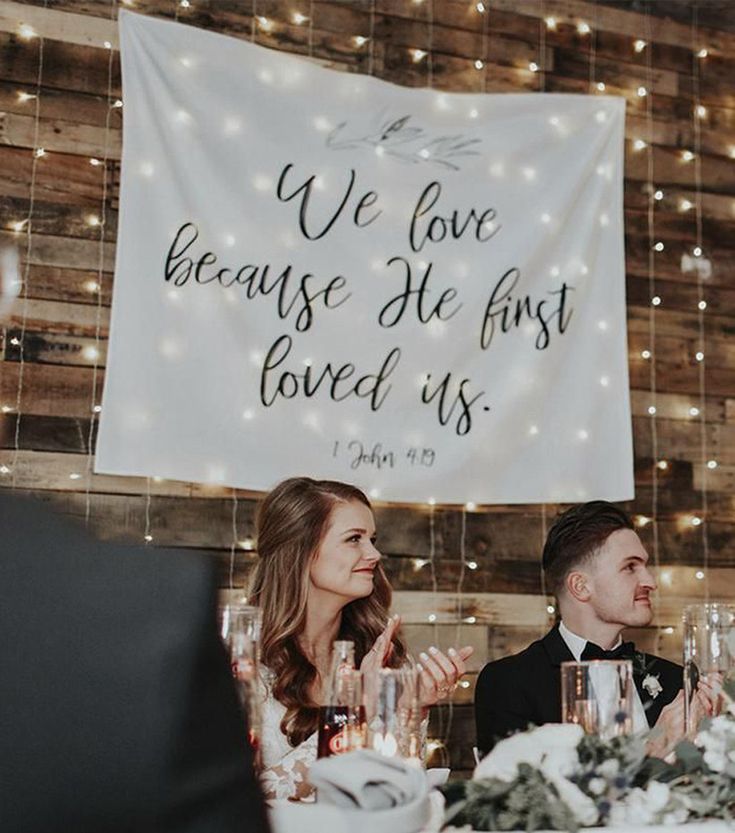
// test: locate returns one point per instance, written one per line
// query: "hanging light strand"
(652, 290)
(235, 538)
(28, 224)
(94, 406)
(541, 49)
(593, 49)
(371, 41)
(430, 45)
(544, 589)
(700, 294)
(311, 28)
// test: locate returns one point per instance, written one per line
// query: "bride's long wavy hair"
(291, 524)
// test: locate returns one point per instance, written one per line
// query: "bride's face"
(346, 560)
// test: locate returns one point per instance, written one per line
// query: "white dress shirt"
(576, 645)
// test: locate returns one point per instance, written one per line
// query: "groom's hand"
(669, 728)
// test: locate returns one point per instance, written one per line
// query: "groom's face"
(620, 581)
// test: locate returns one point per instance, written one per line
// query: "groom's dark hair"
(576, 536)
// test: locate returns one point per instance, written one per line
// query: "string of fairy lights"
(26, 33)
(643, 94)
(699, 112)
(101, 224)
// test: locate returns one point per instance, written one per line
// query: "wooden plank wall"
(54, 354)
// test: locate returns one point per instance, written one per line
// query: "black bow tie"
(625, 650)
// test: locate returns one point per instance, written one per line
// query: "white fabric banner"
(322, 273)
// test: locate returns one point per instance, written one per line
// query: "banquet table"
(298, 817)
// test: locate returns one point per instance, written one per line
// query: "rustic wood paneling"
(69, 277)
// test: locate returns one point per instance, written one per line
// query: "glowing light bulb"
(299, 18)
(699, 356)
(480, 7)
(701, 111)
(699, 575)
(471, 620)
(685, 205)
(695, 521)
(470, 506)
(638, 144)
(583, 28)
(639, 45)
(431, 617)
(18, 225)
(472, 565)
(185, 4)
(148, 538)
(663, 465)
(4, 470)
(26, 31)
(601, 86)
(651, 409)
(645, 354)
(656, 300)
(75, 476)
(702, 305)
(93, 220)
(417, 55)
(533, 66)
(265, 24)
(659, 246)
(711, 464)
(97, 409)
(550, 609)
(703, 53)
(550, 22)
(39, 152)
(694, 411)
(687, 155)
(479, 64)
(117, 104)
(604, 381)
(642, 92)
(23, 97)
(697, 251)
(359, 40)
(431, 501)
(107, 45)
(95, 162)
(658, 195)
(642, 520)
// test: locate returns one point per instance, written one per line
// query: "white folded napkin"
(377, 793)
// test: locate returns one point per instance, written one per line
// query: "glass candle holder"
(393, 712)
(240, 631)
(598, 695)
(709, 653)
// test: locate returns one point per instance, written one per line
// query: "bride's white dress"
(285, 767)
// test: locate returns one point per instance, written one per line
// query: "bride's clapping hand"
(380, 653)
(441, 672)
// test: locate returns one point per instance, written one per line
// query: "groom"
(598, 570)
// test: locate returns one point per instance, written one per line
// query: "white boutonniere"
(652, 685)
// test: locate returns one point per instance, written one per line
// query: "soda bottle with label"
(342, 719)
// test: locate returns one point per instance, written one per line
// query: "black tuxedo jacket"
(525, 689)
(117, 707)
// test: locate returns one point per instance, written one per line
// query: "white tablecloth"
(290, 817)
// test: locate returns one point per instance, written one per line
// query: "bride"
(319, 578)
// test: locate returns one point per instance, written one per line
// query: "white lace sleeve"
(289, 778)
(285, 768)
